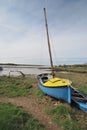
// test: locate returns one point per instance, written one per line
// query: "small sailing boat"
(51, 85)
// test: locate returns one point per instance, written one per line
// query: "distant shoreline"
(13, 64)
(37, 65)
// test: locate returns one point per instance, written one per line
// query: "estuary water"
(26, 70)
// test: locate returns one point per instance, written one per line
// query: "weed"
(61, 115)
(15, 118)
(13, 86)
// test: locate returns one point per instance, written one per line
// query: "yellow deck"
(57, 82)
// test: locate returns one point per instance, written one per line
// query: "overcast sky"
(23, 35)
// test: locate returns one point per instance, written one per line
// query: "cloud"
(23, 35)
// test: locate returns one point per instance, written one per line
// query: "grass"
(15, 118)
(39, 93)
(18, 86)
(63, 116)
(72, 68)
(14, 86)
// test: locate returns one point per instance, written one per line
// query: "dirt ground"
(35, 107)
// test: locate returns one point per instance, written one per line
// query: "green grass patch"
(15, 118)
(72, 68)
(16, 86)
(63, 116)
(84, 90)
(39, 93)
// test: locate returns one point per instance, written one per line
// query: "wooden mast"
(49, 48)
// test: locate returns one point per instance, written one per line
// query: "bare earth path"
(34, 107)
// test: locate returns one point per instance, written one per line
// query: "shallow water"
(26, 70)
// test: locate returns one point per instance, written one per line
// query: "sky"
(23, 35)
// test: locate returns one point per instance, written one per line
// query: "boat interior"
(78, 96)
(44, 77)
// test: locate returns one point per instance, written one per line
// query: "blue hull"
(63, 93)
(80, 105)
